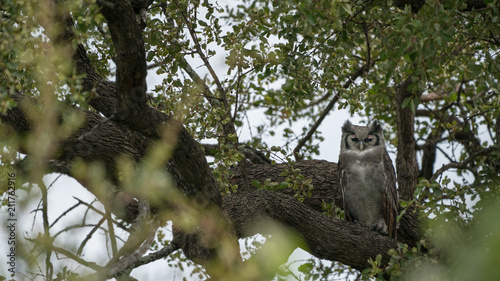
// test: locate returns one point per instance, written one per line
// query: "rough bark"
(322, 173)
(325, 237)
(429, 153)
(105, 144)
(406, 160)
(127, 98)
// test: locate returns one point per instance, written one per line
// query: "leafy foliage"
(294, 61)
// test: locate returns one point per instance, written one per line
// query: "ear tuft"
(346, 128)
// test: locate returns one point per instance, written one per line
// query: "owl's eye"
(354, 138)
(369, 138)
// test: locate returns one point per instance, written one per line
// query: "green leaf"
(150, 56)
(400, 215)
(288, 86)
(282, 185)
(412, 106)
(347, 8)
(275, 148)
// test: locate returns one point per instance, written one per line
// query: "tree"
(428, 69)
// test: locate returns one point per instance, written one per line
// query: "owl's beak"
(361, 145)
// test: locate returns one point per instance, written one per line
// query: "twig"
(320, 100)
(165, 251)
(46, 229)
(315, 126)
(122, 226)
(444, 152)
(228, 128)
(65, 213)
(207, 64)
(461, 165)
(368, 47)
(21, 163)
(72, 256)
(74, 226)
(87, 238)
(197, 79)
(238, 83)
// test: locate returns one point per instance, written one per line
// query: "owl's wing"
(391, 202)
(342, 183)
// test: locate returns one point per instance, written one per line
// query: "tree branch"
(253, 155)
(230, 135)
(165, 251)
(117, 270)
(68, 254)
(323, 177)
(326, 111)
(207, 64)
(406, 161)
(429, 152)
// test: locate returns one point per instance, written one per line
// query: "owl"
(367, 179)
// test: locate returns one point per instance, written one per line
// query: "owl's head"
(361, 137)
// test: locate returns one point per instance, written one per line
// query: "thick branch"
(108, 142)
(323, 176)
(325, 237)
(130, 58)
(187, 157)
(125, 103)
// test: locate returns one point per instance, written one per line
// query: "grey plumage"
(367, 178)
